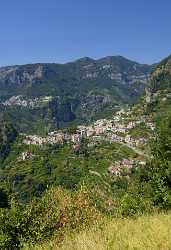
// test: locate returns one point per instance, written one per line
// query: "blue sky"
(61, 31)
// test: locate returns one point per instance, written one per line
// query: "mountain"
(158, 91)
(43, 97)
(161, 76)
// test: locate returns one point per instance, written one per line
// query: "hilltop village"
(118, 129)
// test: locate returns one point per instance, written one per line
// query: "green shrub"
(3, 199)
(132, 204)
(57, 210)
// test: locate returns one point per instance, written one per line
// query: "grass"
(143, 233)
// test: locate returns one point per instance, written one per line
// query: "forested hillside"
(39, 98)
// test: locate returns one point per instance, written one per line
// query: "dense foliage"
(48, 165)
(7, 136)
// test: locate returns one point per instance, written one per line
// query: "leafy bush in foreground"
(57, 210)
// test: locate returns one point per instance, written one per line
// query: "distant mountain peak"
(85, 59)
(116, 59)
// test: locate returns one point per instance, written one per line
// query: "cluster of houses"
(52, 138)
(30, 103)
(114, 130)
(125, 165)
(26, 155)
(119, 166)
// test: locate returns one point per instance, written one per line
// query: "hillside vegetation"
(142, 233)
(7, 136)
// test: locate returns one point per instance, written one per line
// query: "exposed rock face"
(92, 103)
(17, 75)
(161, 75)
(116, 69)
(148, 95)
(62, 112)
(159, 86)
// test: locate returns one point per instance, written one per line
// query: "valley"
(71, 175)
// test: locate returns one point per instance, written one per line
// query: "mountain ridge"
(77, 91)
(84, 58)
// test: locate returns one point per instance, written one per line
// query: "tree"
(3, 199)
(158, 171)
